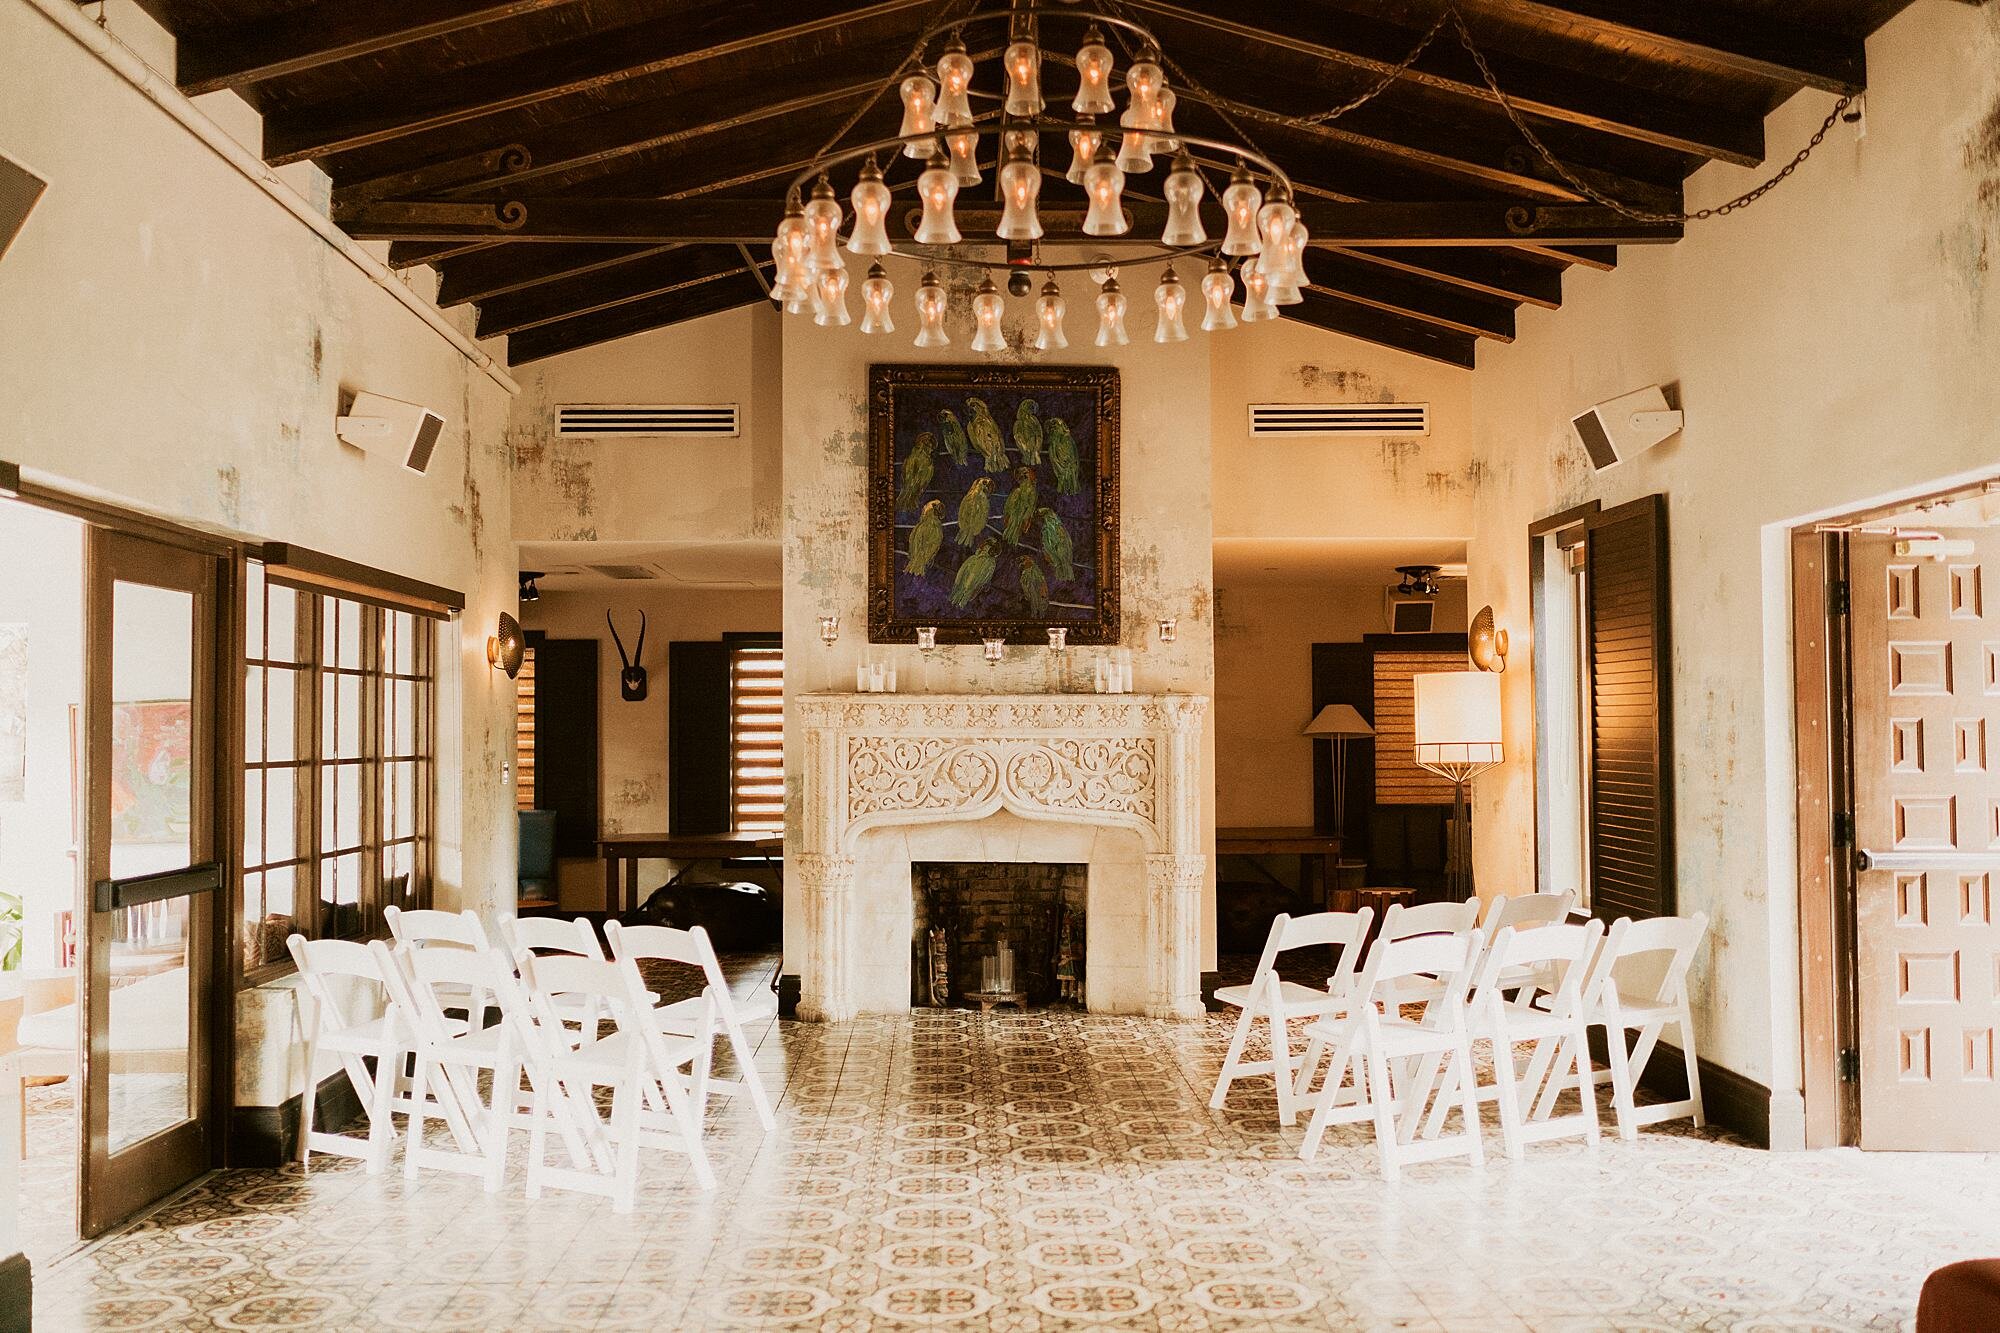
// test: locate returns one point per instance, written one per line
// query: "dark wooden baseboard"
(788, 995)
(1209, 981)
(1741, 1105)
(269, 1135)
(17, 1294)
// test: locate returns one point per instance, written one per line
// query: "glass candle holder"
(1169, 630)
(995, 650)
(927, 639)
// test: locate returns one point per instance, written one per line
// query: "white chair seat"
(613, 1055)
(1296, 997)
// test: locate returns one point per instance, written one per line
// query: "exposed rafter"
(725, 293)
(502, 269)
(642, 279)
(1367, 284)
(1418, 337)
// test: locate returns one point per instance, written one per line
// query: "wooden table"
(621, 891)
(1304, 843)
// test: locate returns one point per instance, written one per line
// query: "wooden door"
(1926, 741)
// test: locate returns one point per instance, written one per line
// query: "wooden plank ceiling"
(650, 140)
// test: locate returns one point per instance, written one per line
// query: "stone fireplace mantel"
(1129, 762)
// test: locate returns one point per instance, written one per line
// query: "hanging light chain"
(1381, 85)
(914, 60)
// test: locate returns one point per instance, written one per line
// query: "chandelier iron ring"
(949, 256)
(1035, 13)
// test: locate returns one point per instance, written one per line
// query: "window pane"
(348, 646)
(281, 642)
(253, 715)
(280, 814)
(399, 816)
(280, 731)
(403, 719)
(281, 891)
(403, 629)
(347, 731)
(253, 818)
(253, 610)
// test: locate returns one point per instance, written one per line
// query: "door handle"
(1941, 860)
(114, 894)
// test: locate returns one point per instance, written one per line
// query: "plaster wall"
(1833, 345)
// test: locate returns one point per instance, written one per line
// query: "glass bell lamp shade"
(1104, 185)
(1135, 149)
(794, 240)
(1163, 121)
(1111, 316)
(1274, 228)
(963, 142)
(1170, 304)
(1240, 204)
(919, 115)
(987, 307)
(822, 214)
(1049, 312)
(832, 286)
(1083, 146)
(870, 198)
(1285, 288)
(936, 188)
(1144, 80)
(930, 313)
(1216, 289)
(1020, 187)
(787, 284)
(1093, 76)
(1183, 189)
(1024, 79)
(954, 69)
(876, 294)
(1256, 293)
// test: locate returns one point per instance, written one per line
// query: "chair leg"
(419, 1113)
(1329, 1095)
(1384, 1102)
(1586, 1084)
(704, 1060)
(1684, 1021)
(1504, 1078)
(538, 1138)
(1621, 1082)
(1281, 1068)
(739, 1045)
(625, 1130)
(381, 1109)
(1469, 1098)
(1231, 1060)
(506, 1092)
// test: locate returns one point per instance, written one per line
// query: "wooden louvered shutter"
(1631, 732)
(757, 737)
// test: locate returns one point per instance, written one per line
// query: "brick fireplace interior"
(964, 911)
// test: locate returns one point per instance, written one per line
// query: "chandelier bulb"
(1274, 227)
(930, 313)
(1049, 312)
(919, 115)
(1240, 203)
(792, 249)
(1163, 121)
(987, 307)
(831, 309)
(1256, 292)
(1104, 184)
(936, 188)
(822, 213)
(1093, 73)
(1111, 316)
(1169, 303)
(1285, 287)
(954, 70)
(870, 198)
(1083, 146)
(1217, 286)
(1144, 81)
(1183, 189)
(1135, 152)
(963, 142)
(1020, 188)
(876, 294)
(1023, 60)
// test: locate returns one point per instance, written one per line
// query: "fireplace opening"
(997, 933)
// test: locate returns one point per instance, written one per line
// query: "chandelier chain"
(913, 60)
(1389, 76)
(1591, 192)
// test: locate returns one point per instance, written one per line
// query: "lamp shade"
(1337, 720)
(1458, 717)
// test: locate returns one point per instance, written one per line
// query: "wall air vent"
(645, 421)
(1301, 420)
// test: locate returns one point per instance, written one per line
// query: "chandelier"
(1263, 241)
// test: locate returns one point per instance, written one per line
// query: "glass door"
(153, 881)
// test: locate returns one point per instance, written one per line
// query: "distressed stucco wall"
(1833, 345)
(655, 490)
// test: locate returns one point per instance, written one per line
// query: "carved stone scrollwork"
(1114, 775)
(924, 773)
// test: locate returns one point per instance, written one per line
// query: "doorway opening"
(1897, 659)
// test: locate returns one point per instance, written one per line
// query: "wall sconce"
(1170, 629)
(507, 646)
(1486, 644)
(995, 650)
(927, 640)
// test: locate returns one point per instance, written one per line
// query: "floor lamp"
(1339, 723)
(1458, 738)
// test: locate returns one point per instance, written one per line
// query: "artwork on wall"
(993, 502)
(151, 792)
(13, 712)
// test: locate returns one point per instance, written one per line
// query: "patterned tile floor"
(1055, 1171)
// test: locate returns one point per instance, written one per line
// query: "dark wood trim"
(317, 572)
(1738, 1104)
(1209, 982)
(1820, 933)
(1365, 284)
(1565, 518)
(654, 312)
(268, 1136)
(1337, 313)
(10, 478)
(789, 991)
(131, 522)
(1419, 643)
(502, 270)
(1492, 272)
(673, 271)
(17, 1294)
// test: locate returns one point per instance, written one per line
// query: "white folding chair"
(649, 1104)
(533, 936)
(1507, 1013)
(701, 1016)
(326, 969)
(1373, 1038)
(1639, 985)
(1408, 923)
(1527, 911)
(433, 928)
(1277, 1000)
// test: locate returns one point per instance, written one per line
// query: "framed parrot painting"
(993, 502)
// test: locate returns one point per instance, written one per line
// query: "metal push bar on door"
(114, 894)
(1867, 860)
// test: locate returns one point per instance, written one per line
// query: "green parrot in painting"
(974, 510)
(918, 469)
(975, 573)
(1055, 546)
(1062, 456)
(1034, 586)
(985, 432)
(1028, 430)
(926, 538)
(1020, 510)
(955, 442)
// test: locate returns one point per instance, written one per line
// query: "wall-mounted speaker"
(410, 429)
(1614, 431)
(20, 190)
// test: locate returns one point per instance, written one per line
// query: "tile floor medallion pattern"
(1054, 1171)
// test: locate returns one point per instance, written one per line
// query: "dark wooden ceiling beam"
(295, 40)
(502, 269)
(639, 280)
(1494, 272)
(727, 221)
(384, 114)
(709, 298)
(411, 254)
(1539, 90)
(1359, 281)
(1415, 336)
(1755, 45)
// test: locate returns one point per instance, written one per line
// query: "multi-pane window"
(757, 739)
(339, 765)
